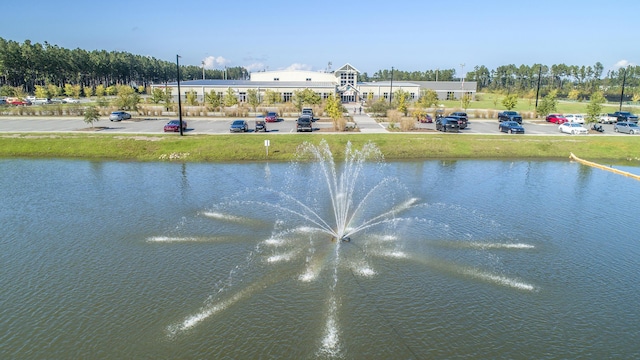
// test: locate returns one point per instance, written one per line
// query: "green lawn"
(394, 146)
(490, 101)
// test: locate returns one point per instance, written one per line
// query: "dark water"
(161, 260)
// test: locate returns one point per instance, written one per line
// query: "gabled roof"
(347, 68)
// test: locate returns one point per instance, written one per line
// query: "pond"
(476, 259)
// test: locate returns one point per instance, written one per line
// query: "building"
(342, 82)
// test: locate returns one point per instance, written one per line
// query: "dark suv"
(463, 119)
(448, 124)
(304, 123)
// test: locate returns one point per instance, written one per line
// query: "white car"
(573, 128)
(576, 118)
(70, 101)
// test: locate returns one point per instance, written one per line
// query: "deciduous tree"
(594, 107)
(91, 115)
(230, 98)
(510, 101)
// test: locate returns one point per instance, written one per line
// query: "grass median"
(251, 147)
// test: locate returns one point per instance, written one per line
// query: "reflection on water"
(493, 259)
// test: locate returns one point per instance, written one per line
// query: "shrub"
(407, 124)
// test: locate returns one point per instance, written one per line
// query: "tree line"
(571, 81)
(27, 65)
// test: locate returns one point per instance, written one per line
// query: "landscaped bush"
(407, 124)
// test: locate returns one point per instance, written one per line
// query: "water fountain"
(335, 221)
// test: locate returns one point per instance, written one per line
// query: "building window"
(450, 95)
(365, 95)
(413, 96)
(242, 97)
(385, 95)
(325, 96)
(308, 79)
(276, 79)
(287, 96)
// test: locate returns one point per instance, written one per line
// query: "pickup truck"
(510, 116)
(625, 116)
(304, 123)
(607, 119)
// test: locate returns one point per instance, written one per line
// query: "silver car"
(627, 128)
(119, 116)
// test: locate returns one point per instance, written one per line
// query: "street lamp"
(624, 80)
(462, 87)
(538, 89)
(202, 69)
(391, 87)
(179, 101)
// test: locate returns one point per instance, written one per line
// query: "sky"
(412, 35)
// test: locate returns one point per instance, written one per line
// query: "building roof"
(254, 84)
(388, 83)
(447, 85)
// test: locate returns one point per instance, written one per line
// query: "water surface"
(499, 259)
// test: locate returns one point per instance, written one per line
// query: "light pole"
(202, 69)
(624, 80)
(179, 101)
(391, 87)
(538, 89)
(462, 86)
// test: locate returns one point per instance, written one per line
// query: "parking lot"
(142, 125)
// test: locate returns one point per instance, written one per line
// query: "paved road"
(365, 123)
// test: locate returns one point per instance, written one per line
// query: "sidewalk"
(365, 123)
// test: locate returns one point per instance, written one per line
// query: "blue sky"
(371, 35)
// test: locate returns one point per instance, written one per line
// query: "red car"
(271, 117)
(557, 118)
(17, 102)
(174, 126)
(425, 119)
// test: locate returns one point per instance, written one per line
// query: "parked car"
(119, 116)
(309, 112)
(271, 117)
(261, 125)
(239, 126)
(38, 101)
(509, 115)
(174, 126)
(556, 118)
(625, 116)
(576, 118)
(462, 119)
(511, 127)
(70, 101)
(304, 123)
(447, 124)
(460, 114)
(572, 128)
(627, 128)
(17, 101)
(607, 119)
(425, 119)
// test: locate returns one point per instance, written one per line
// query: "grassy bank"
(219, 148)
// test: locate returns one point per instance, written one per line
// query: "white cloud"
(622, 63)
(212, 62)
(297, 66)
(255, 67)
